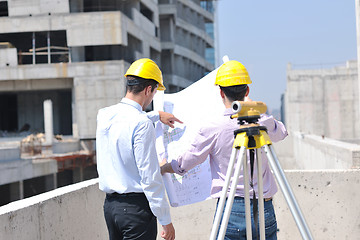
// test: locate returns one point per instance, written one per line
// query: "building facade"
(76, 53)
(324, 102)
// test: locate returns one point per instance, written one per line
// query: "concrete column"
(48, 47)
(357, 13)
(21, 189)
(55, 180)
(78, 174)
(49, 182)
(14, 191)
(33, 48)
(75, 129)
(48, 122)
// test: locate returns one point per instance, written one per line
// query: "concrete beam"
(9, 153)
(37, 7)
(18, 170)
(62, 71)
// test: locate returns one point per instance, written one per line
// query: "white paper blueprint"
(197, 104)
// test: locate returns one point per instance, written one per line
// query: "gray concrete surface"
(323, 101)
(9, 153)
(308, 152)
(22, 169)
(72, 212)
(328, 200)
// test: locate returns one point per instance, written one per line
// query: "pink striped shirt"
(216, 140)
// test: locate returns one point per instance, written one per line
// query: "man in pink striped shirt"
(216, 140)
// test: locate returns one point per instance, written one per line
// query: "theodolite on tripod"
(251, 135)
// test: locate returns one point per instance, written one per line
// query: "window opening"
(4, 10)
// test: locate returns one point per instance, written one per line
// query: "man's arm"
(151, 180)
(275, 129)
(195, 155)
(166, 168)
(165, 117)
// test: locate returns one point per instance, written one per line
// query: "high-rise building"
(187, 41)
(75, 52)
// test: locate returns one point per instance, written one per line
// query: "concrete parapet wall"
(72, 212)
(9, 153)
(315, 152)
(327, 199)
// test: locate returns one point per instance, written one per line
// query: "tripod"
(251, 135)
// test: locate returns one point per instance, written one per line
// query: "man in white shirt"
(127, 162)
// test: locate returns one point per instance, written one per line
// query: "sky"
(267, 35)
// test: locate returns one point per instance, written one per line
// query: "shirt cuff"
(165, 220)
(268, 122)
(153, 116)
(175, 166)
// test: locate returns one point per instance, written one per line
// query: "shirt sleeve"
(275, 129)
(153, 116)
(149, 171)
(198, 152)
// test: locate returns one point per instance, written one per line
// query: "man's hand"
(164, 161)
(166, 168)
(168, 119)
(168, 232)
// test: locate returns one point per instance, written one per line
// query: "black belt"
(131, 194)
(265, 199)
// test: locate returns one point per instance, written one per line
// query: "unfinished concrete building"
(75, 53)
(324, 102)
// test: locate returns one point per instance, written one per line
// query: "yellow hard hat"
(232, 73)
(146, 68)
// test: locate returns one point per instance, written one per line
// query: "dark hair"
(236, 92)
(137, 84)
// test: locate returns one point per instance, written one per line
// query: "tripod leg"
(288, 194)
(260, 196)
(247, 200)
(225, 220)
(224, 191)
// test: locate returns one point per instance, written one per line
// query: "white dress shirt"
(126, 155)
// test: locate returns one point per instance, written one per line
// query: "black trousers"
(128, 216)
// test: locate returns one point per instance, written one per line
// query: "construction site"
(75, 53)
(61, 61)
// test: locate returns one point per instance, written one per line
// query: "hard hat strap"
(134, 82)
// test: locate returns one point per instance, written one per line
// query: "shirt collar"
(228, 111)
(132, 103)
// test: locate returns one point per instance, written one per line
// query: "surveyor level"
(251, 135)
